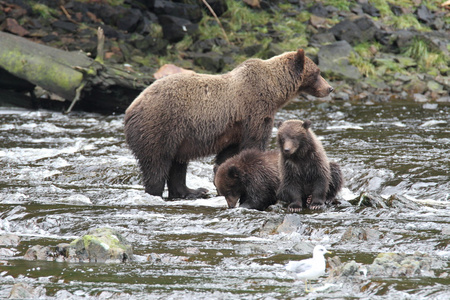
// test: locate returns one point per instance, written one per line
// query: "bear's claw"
(295, 207)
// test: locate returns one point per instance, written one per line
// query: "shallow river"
(61, 175)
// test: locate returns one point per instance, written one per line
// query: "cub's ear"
(300, 58)
(306, 124)
(278, 124)
(233, 172)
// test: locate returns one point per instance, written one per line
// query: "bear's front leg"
(177, 183)
(291, 195)
(318, 197)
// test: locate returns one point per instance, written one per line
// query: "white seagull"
(311, 268)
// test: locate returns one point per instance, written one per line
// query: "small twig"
(100, 45)
(77, 96)
(64, 10)
(217, 19)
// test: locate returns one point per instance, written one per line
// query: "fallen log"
(71, 75)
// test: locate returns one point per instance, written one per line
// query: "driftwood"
(70, 75)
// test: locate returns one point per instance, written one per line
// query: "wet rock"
(155, 45)
(12, 26)
(38, 252)
(189, 12)
(271, 225)
(370, 10)
(369, 200)
(424, 14)
(420, 98)
(191, 251)
(5, 252)
(9, 239)
(399, 265)
(350, 270)
(291, 223)
(101, 245)
(400, 202)
(271, 51)
(164, 258)
(66, 26)
(355, 30)
(319, 10)
(62, 249)
(323, 38)
(210, 61)
(252, 50)
(219, 7)
(129, 20)
(334, 59)
(207, 45)
(446, 230)
(26, 291)
(360, 234)
(174, 28)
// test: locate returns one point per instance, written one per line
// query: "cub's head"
(228, 183)
(294, 137)
(312, 83)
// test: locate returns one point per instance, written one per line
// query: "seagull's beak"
(329, 252)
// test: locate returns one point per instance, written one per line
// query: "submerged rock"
(38, 252)
(9, 240)
(398, 265)
(26, 291)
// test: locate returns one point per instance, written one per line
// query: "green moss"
(43, 10)
(383, 7)
(339, 4)
(387, 66)
(364, 66)
(427, 58)
(406, 21)
(364, 49)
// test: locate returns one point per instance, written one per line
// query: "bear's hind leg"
(154, 185)
(177, 183)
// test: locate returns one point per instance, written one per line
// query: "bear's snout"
(330, 89)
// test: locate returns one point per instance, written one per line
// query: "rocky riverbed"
(370, 50)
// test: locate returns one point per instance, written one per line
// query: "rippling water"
(64, 174)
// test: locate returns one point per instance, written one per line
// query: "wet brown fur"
(186, 116)
(250, 178)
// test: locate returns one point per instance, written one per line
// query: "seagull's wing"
(299, 266)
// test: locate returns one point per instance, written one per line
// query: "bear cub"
(308, 179)
(250, 178)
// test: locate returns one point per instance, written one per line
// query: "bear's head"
(228, 183)
(312, 82)
(294, 137)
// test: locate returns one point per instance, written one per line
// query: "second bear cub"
(308, 179)
(250, 178)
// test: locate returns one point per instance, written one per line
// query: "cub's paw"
(295, 207)
(316, 205)
(197, 193)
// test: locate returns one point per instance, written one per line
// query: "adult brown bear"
(186, 116)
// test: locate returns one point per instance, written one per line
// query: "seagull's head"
(319, 250)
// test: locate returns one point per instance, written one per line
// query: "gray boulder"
(334, 61)
(101, 245)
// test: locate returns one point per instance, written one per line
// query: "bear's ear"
(233, 172)
(306, 124)
(279, 123)
(300, 59)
